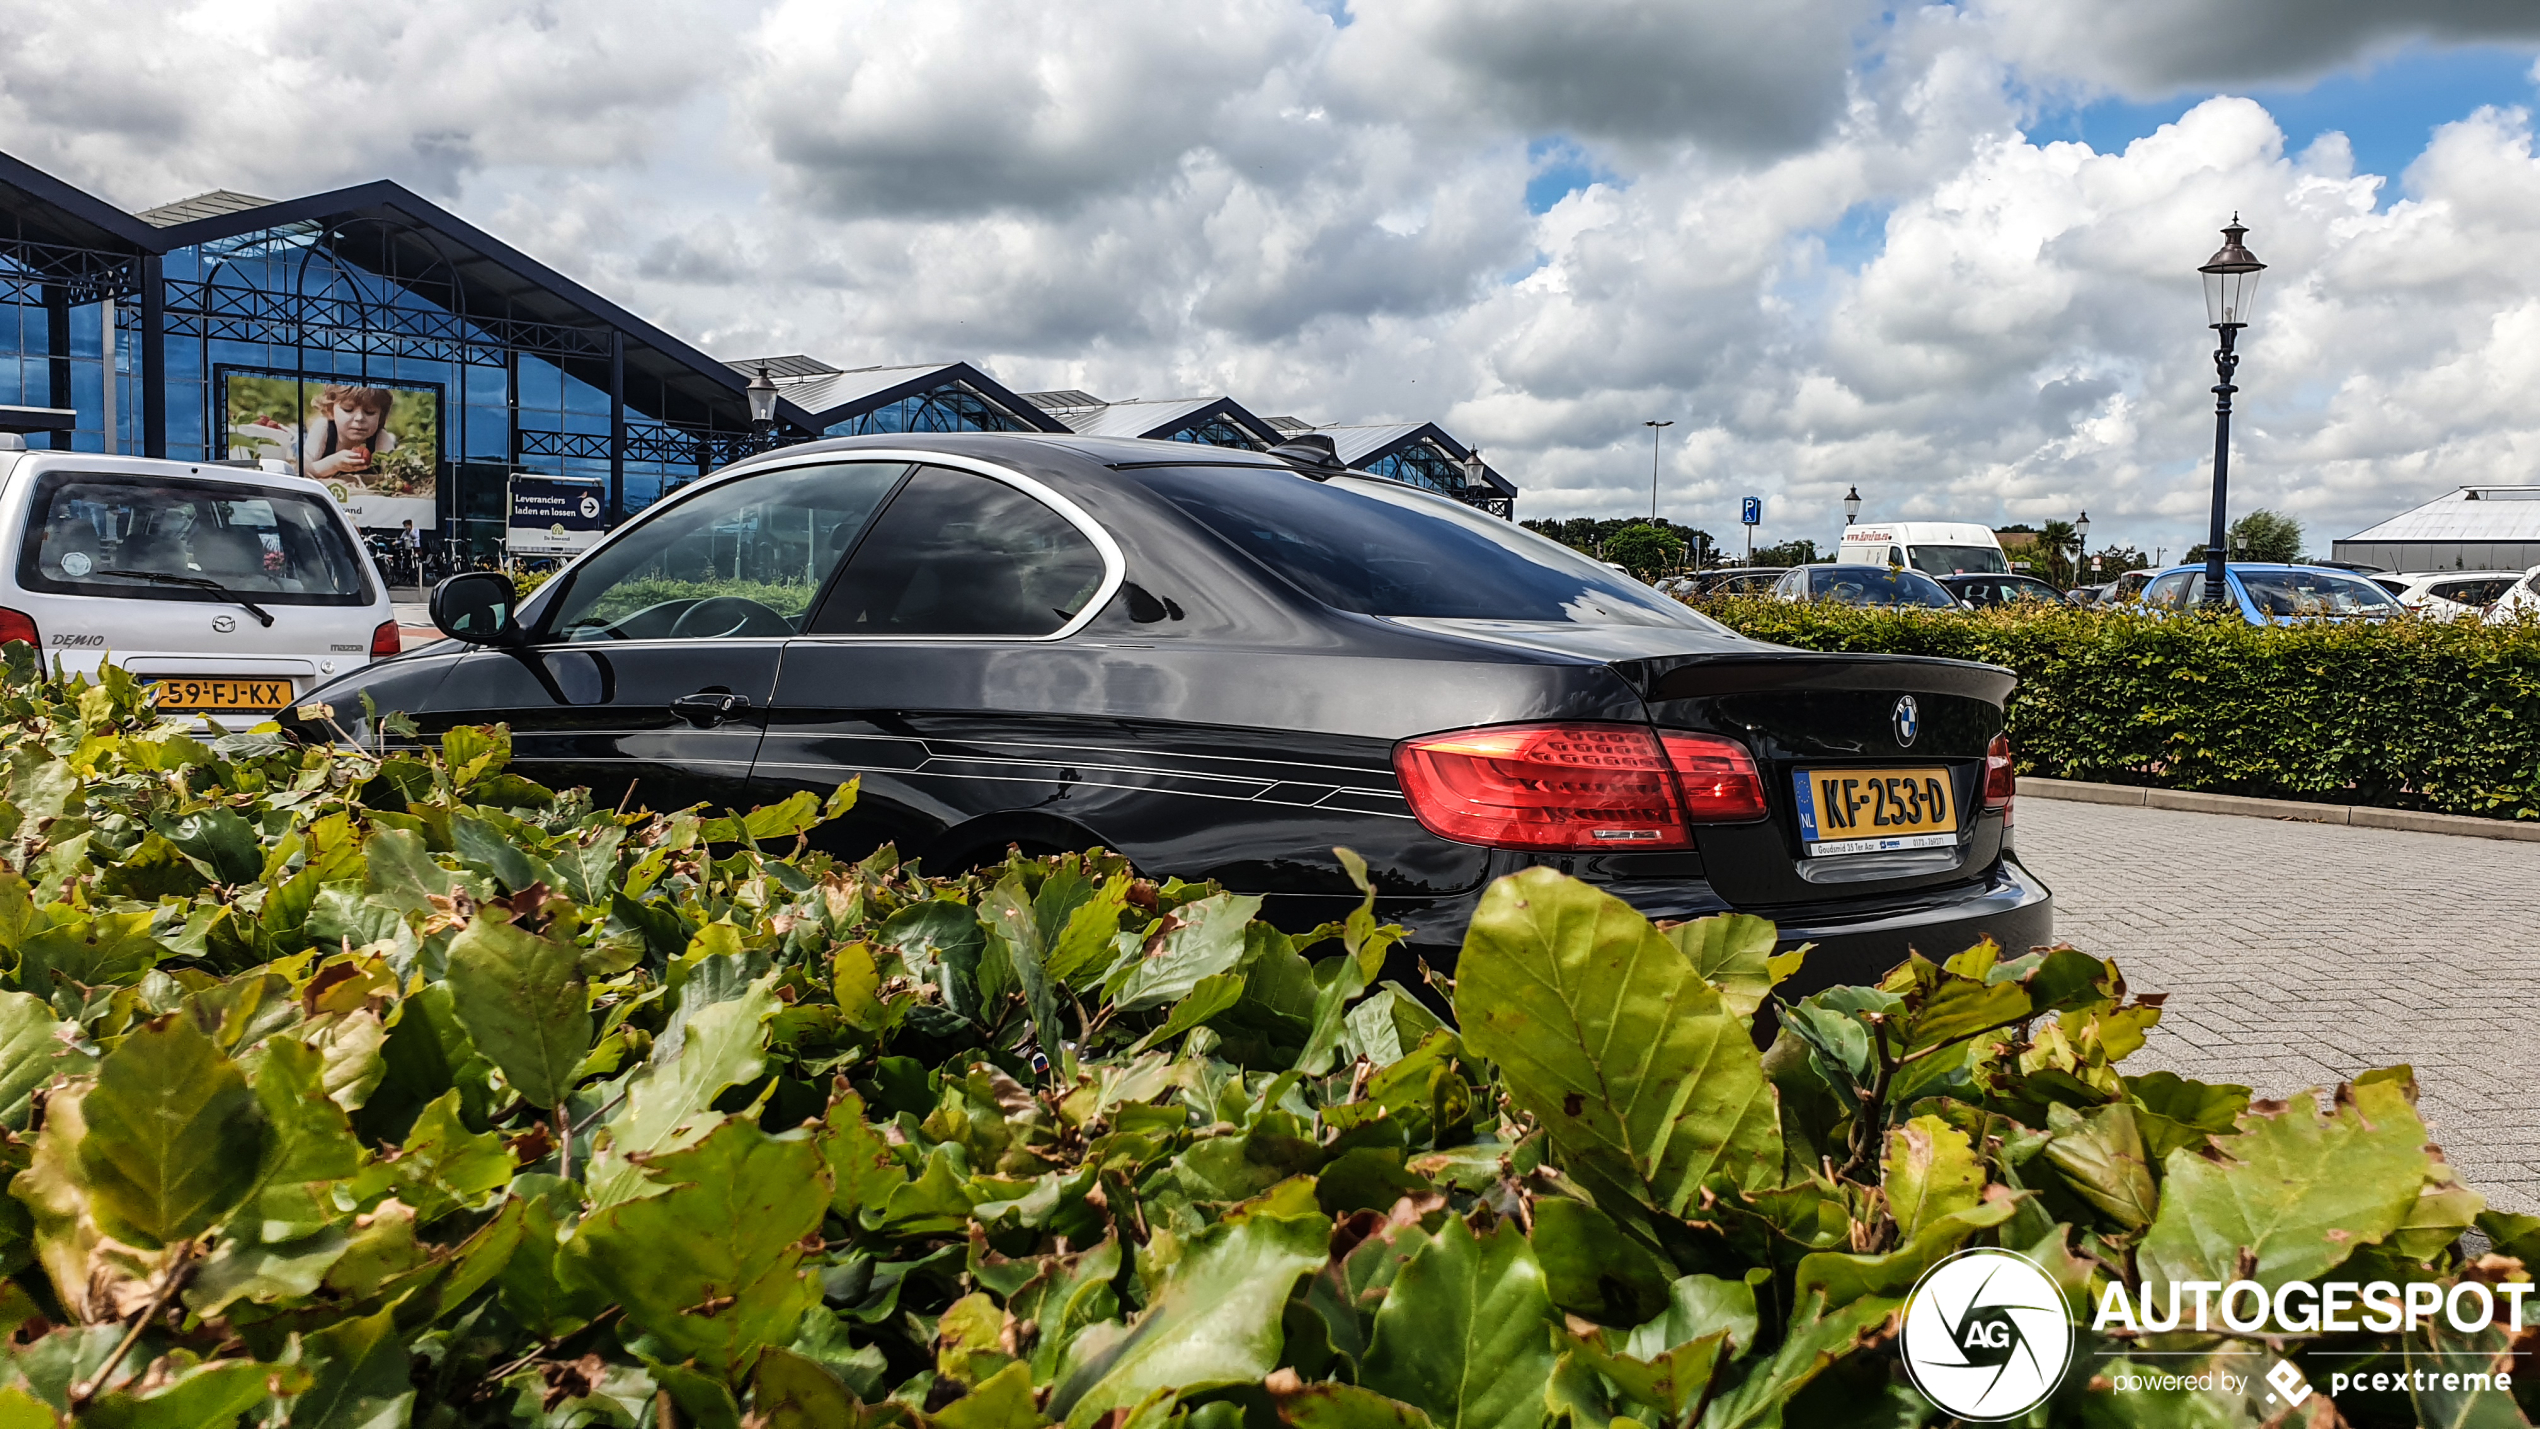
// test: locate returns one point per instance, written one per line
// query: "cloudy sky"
(1944, 253)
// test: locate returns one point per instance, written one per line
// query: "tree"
(1589, 535)
(1645, 550)
(2056, 542)
(2109, 562)
(1788, 553)
(2262, 535)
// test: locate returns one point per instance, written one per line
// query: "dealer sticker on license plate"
(1875, 810)
(220, 694)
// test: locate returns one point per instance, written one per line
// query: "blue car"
(2270, 594)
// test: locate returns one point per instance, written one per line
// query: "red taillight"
(1717, 776)
(1574, 786)
(1999, 782)
(18, 625)
(385, 641)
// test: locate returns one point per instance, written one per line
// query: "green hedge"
(362, 1088)
(2405, 714)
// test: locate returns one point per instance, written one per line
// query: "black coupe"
(1223, 664)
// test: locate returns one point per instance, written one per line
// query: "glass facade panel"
(1421, 465)
(1218, 431)
(953, 407)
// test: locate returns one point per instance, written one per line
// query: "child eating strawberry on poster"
(347, 427)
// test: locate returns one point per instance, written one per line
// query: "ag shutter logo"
(1909, 720)
(1986, 1336)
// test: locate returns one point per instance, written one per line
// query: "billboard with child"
(375, 444)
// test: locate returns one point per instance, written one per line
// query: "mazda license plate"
(220, 694)
(1844, 811)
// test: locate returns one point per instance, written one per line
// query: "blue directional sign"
(1751, 511)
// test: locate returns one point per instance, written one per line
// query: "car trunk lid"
(1836, 717)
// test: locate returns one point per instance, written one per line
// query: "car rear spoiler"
(1693, 676)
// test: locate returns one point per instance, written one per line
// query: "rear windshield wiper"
(197, 583)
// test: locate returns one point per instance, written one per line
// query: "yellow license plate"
(1844, 811)
(216, 694)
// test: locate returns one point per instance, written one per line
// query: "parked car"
(2271, 594)
(2127, 587)
(1865, 585)
(234, 591)
(1223, 665)
(2521, 602)
(1738, 580)
(2005, 590)
(2448, 595)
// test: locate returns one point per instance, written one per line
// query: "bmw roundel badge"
(1909, 720)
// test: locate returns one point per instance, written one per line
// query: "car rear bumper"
(1855, 944)
(2013, 908)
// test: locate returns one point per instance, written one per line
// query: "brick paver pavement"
(2301, 954)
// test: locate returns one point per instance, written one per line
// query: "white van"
(236, 591)
(1936, 548)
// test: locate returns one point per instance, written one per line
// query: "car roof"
(1063, 457)
(117, 464)
(2270, 566)
(1092, 450)
(1862, 566)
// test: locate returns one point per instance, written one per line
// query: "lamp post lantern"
(2231, 295)
(762, 394)
(2081, 544)
(1851, 505)
(1654, 428)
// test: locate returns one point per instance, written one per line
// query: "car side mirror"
(476, 606)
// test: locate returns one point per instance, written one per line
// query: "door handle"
(706, 709)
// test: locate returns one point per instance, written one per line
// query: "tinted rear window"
(1877, 585)
(2477, 592)
(1377, 547)
(163, 538)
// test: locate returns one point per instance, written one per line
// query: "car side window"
(957, 553)
(2479, 592)
(740, 559)
(2167, 593)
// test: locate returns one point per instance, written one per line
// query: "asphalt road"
(2298, 955)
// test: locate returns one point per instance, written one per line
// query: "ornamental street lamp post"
(2081, 545)
(1851, 505)
(2231, 294)
(1653, 467)
(762, 394)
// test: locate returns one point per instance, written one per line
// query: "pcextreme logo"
(1986, 1335)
